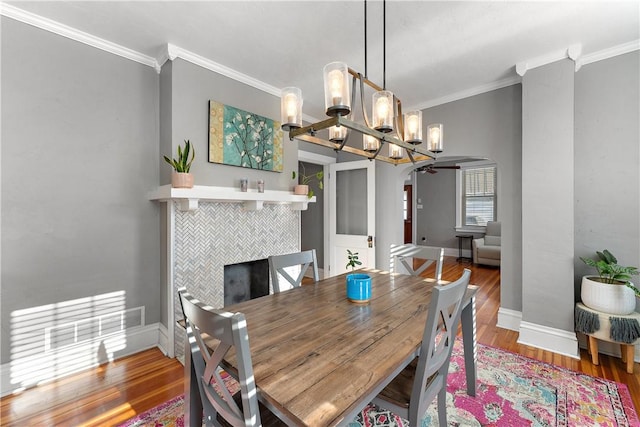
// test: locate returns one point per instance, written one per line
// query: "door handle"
(370, 241)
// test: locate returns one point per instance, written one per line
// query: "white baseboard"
(33, 370)
(163, 339)
(455, 252)
(509, 319)
(551, 339)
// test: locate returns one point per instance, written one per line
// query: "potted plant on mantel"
(303, 188)
(181, 177)
(611, 291)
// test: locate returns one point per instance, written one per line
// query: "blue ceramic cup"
(358, 288)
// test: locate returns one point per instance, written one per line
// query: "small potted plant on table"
(181, 177)
(358, 285)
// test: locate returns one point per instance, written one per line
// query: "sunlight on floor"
(54, 340)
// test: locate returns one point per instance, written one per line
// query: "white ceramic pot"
(607, 298)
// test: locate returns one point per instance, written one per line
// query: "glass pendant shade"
(413, 127)
(383, 111)
(336, 89)
(370, 144)
(337, 133)
(291, 108)
(435, 135)
(395, 152)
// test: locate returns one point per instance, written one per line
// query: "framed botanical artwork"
(241, 138)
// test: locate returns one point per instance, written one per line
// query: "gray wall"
(191, 89)
(437, 220)
(79, 154)
(547, 195)
(607, 161)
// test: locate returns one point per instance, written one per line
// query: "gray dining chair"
(281, 265)
(228, 331)
(411, 392)
(401, 256)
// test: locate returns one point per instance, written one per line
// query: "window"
(477, 201)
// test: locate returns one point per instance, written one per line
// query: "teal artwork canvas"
(241, 138)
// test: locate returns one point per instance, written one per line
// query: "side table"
(462, 238)
(627, 350)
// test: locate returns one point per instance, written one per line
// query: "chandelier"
(401, 133)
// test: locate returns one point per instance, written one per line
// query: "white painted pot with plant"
(181, 177)
(611, 291)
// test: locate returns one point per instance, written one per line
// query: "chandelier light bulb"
(382, 107)
(383, 111)
(291, 101)
(370, 144)
(395, 152)
(291, 108)
(336, 89)
(337, 133)
(435, 135)
(413, 127)
(335, 85)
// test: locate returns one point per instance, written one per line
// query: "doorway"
(408, 213)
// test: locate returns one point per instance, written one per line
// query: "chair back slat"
(402, 256)
(282, 265)
(230, 329)
(437, 342)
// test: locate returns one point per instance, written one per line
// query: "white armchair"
(486, 250)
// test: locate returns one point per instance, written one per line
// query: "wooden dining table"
(319, 359)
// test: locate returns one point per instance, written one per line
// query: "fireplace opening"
(245, 281)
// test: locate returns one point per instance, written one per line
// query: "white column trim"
(509, 319)
(573, 52)
(551, 339)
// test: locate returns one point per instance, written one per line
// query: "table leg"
(192, 401)
(593, 345)
(468, 320)
(629, 350)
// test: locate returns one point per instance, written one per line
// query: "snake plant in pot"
(611, 291)
(181, 177)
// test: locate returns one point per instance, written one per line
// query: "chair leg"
(442, 406)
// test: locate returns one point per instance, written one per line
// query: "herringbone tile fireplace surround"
(216, 234)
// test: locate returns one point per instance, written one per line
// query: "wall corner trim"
(509, 319)
(573, 52)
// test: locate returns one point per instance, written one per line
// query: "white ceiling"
(434, 49)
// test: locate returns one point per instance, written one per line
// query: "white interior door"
(352, 214)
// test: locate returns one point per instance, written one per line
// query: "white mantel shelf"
(188, 198)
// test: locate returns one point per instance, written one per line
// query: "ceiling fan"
(432, 169)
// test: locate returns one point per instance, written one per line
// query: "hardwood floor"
(118, 391)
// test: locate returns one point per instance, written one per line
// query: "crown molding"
(71, 33)
(173, 52)
(609, 53)
(573, 52)
(477, 90)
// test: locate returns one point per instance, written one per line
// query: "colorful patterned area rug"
(512, 390)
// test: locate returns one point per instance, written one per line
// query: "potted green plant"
(358, 284)
(181, 177)
(611, 291)
(304, 185)
(353, 260)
